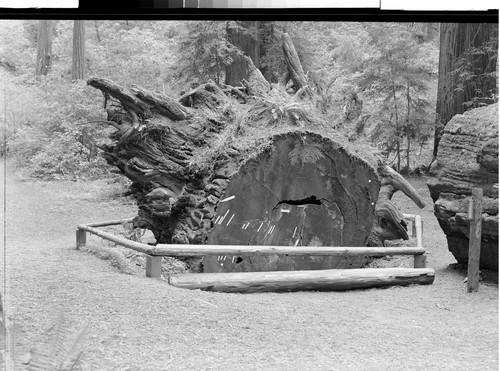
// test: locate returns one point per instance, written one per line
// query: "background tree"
(78, 65)
(44, 47)
(245, 36)
(396, 80)
(467, 70)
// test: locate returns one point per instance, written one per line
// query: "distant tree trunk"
(398, 144)
(408, 129)
(44, 47)
(78, 67)
(98, 34)
(455, 40)
(249, 43)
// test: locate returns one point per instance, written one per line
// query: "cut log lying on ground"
(468, 158)
(318, 280)
(208, 169)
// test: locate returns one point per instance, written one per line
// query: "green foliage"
(477, 69)
(43, 133)
(46, 118)
(280, 108)
(59, 352)
(305, 153)
(397, 82)
(205, 52)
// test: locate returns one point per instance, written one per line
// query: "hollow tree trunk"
(197, 180)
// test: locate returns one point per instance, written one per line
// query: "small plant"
(59, 352)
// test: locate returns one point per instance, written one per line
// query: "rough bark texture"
(455, 40)
(78, 65)
(209, 170)
(319, 280)
(468, 158)
(246, 39)
(295, 70)
(44, 47)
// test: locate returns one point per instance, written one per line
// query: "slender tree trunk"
(78, 67)
(98, 35)
(408, 130)
(44, 47)
(398, 144)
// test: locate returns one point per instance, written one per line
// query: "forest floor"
(136, 323)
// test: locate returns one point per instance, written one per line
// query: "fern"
(59, 353)
(305, 153)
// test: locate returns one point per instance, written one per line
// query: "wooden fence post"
(81, 238)
(475, 216)
(153, 266)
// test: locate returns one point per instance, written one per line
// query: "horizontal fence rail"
(203, 250)
(154, 254)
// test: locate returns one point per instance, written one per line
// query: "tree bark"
(44, 47)
(317, 280)
(78, 65)
(248, 43)
(295, 70)
(455, 40)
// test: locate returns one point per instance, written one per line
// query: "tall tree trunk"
(97, 33)
(249, 44)
(78, 67)
(398, 144)
(408, 129)
(455, 40)
(44, 47)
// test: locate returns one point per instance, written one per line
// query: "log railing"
(154, 254)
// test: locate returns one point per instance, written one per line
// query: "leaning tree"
(250, 164)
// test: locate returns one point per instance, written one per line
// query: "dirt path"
(136, 323)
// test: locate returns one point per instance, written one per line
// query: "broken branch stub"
(295, 70)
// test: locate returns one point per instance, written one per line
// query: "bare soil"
(136, 323)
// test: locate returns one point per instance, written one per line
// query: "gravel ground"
(136, 323)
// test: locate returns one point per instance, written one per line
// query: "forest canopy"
(376, 82)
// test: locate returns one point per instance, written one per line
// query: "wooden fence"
(328, 279)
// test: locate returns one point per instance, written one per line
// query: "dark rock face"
(468, 158)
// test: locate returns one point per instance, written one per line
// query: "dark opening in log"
(269, 203)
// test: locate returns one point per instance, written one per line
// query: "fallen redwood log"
(317, 280)
(206, 169)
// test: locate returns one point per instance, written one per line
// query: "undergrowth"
(59, 352)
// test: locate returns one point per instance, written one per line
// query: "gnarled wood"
(390, 223)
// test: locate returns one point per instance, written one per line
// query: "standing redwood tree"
(44, 47)
(78, 66)
(463, 62)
